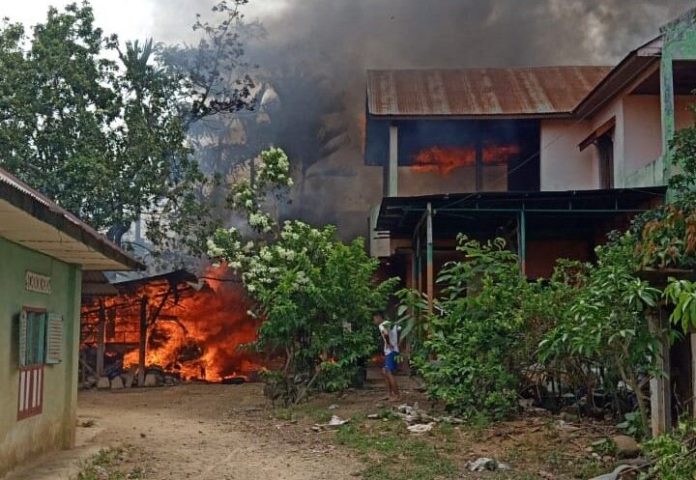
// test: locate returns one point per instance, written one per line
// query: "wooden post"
(419, 264)
(430, 272)
(101, 327)
(660, 390)
(143, 341)
(693, 375)
(522, 241)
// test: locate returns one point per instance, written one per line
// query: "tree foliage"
(101, 127)
(475, 339)
(606, 328)
(315, 294)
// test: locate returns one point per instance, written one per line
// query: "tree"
(315, 294)
(102, 128)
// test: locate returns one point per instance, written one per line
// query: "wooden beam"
(143, 340)
(660, 389)
(101, 327)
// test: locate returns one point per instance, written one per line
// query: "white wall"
(642, 131)
(563, 165)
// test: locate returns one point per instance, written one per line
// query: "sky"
(138, 19)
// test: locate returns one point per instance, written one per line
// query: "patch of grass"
(285, 414)
(391, 454)
(589, 468)
(108, 465)
(579, 467)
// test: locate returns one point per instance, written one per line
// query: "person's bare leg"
(393, 387)
(385, 375)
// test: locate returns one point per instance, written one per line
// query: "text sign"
(33, 282)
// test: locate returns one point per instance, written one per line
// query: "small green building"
(43, 252)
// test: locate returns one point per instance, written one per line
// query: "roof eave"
(56, 218)
(620, 77)
(506, 116)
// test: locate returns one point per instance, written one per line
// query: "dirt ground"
(227, 432)
(199, 432)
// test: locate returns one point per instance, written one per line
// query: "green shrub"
(674, 454)
(472, 354)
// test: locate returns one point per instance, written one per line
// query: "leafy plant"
(682, 294)
(606, 328)
(673, 454)
(633, 425)
(471, 354)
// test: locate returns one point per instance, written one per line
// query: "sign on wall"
(34, 282)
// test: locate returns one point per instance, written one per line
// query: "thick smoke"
(331, 43)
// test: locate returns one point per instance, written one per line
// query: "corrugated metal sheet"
(480, 91)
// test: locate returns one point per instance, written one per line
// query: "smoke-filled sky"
(408, 32)
(333, 42)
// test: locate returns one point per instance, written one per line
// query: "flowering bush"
(315, 294)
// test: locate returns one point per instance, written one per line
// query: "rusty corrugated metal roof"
(480, 91)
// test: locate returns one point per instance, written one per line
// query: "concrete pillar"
(667, 111)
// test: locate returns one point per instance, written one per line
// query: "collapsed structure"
(175, 325)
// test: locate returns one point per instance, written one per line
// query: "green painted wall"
(54, 428)
(679, 44)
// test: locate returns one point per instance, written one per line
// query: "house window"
(32, 337)
(605, 148)
(32, 343)
(603, 139)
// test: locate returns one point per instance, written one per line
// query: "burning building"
(186, 327)
(550, 158)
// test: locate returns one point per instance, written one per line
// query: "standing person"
(390, 337)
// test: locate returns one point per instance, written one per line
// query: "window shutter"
(37, 326)
(54, 339)
(22, 338)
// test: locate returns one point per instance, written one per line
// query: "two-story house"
(550, 158)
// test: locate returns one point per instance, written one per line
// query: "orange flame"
(444, 160)
(196, 335)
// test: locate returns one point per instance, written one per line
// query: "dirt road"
(199, 431)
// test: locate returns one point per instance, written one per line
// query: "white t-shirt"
(393, 334)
